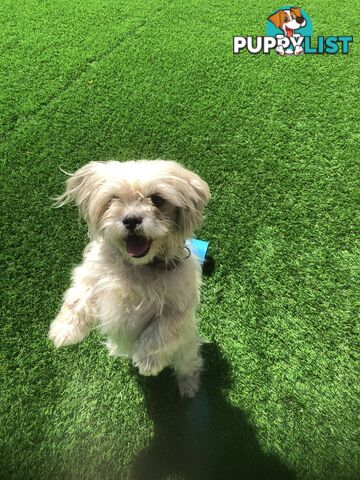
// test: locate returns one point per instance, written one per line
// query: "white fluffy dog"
(137, 278)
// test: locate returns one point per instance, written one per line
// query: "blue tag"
(198, 248)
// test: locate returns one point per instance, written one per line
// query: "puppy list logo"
(288, 32)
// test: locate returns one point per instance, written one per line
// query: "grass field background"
(277, 139)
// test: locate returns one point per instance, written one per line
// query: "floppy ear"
(81, 189)
(297, 11)
(276, 18)
(194, 196)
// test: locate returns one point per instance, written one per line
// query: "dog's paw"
(189, 384)
(65, 331)
(149, 365)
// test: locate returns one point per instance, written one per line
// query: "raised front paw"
(65, 330)
(148, 365)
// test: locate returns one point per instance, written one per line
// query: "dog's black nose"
(300, 19)
(131, 222)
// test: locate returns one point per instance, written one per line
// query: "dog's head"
(288, 20)
(144, 208)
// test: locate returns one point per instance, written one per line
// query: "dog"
(137, 279)
(288, 21)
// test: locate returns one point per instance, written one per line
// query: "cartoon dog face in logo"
(288, 20)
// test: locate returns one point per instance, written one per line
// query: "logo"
(289, 25)
(289, 32)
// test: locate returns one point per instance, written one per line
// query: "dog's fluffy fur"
(145, 304)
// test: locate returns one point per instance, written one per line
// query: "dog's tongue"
(136, 246)
(289, 32)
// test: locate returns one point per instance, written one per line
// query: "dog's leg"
(187, 363)
(154, 346)
(171, 340)
(159, 340)
(77, 314)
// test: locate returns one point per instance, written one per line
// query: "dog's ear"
(296, 11)
(277, 18)
(81, 189)
(193, 196)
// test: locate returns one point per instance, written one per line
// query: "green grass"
(277, 139)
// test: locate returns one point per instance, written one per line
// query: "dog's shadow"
(204, 437)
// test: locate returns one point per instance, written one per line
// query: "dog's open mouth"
(289, 31)
(137, 246)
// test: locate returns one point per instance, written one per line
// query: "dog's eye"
(157, 200)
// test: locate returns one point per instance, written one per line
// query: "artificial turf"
(277, 139)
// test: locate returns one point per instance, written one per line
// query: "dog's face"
(143, 208)
(288, 20)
